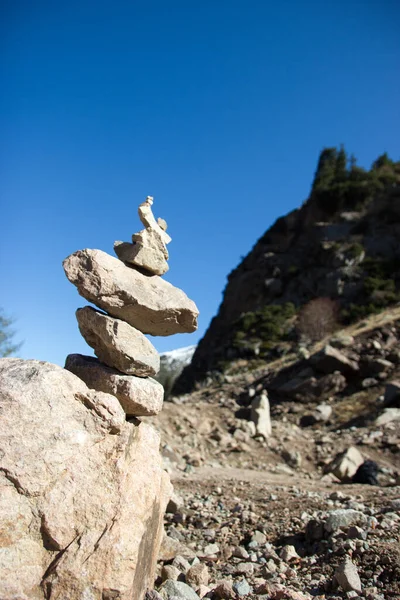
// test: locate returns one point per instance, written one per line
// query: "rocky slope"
(342, 244)
(280, 518)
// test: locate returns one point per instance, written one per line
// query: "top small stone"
(162, 223)
(148, 251)
(148, 220)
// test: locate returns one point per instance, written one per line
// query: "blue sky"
(218, 109)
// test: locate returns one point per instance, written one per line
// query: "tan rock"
(170, 572)
(150, 304)
(288, 553)
(82, 491)
(223, 590)
(260, 415)
(118, 344)
(138, 397)
(203, 590)
(170, 548)
(148, 251)
(151, 239)
(140, 256)
(345, 464)
(148, 220)
(347, 576)
(387, 416)
(198, 575)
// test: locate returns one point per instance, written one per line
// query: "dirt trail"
(214, 475)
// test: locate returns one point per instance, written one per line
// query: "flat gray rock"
(148, 303)
(118, 344)
(138, 397)
(177, 589)
(342, 518)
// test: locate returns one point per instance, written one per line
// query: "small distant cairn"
(135, 301)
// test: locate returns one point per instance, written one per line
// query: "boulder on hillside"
(303, 384)
(392, 394)
(345, 464)
(374, 366)
(82, 492)
(321, 414)
(329, 360)
(146, 302)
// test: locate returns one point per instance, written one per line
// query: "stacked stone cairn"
(135, 301)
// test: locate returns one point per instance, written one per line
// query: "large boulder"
(345, 464)
(118, 344)
(329, 360)
(148, 303)
(82, 492)
(392, 394)
(139, 397)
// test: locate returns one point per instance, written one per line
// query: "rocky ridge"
(340, 246)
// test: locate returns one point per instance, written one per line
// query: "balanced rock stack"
(136, 301)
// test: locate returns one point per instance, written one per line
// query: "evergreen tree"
(341, 165)
(326, 169)
(7, 346)
(352, 162)
(382, 161)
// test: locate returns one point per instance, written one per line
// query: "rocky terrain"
(277, 516)
(341, 245)
(282, 436)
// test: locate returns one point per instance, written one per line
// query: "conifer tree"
(341, 165)
(382, 161)
(326, 169)
(7, 346)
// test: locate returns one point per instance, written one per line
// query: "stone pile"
(136, 301)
